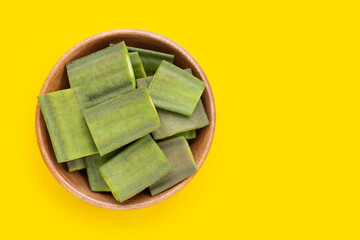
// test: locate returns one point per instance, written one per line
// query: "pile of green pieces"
(126, 119)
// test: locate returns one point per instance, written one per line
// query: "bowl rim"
(155, 199)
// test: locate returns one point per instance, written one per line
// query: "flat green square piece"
(137, 65)
(93, 164)
(69, 133)
(75, 165)
(175, 90)
(102, 75)
(145, 81)
(173, 123)
(178, 152)
(121, 120)
(138, 166)
(188, 135)
(151, 59)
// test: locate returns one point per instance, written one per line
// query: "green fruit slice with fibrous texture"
(179, 154)
(75, 165)
(174, 123)
(188, 135)
(139, 165)
(93, 164)
(102, 75)
(175, 90)
(121, 120)
(188, 70)
(144, 82)
(69, 133)
(137, 65)
(151, 59)
(147, 80)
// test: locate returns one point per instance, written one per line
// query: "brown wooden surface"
(76, 182)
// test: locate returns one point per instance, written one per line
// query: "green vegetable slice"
(188, 135)
(151, 59)
(137, 65)
(75, 165)
(122, 120)
(135, 168)
(145, 82)
(175, 90)
(174, 123)
(70, 136)
(93, 164)
(188, 70)
(178, 152)
(102, 75)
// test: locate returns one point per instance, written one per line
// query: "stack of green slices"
(126, 119)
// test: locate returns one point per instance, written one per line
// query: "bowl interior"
(76, 182)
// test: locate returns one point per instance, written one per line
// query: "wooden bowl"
(76, 182)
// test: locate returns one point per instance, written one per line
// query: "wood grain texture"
(77, 183)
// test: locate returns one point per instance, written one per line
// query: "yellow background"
(284, 163)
